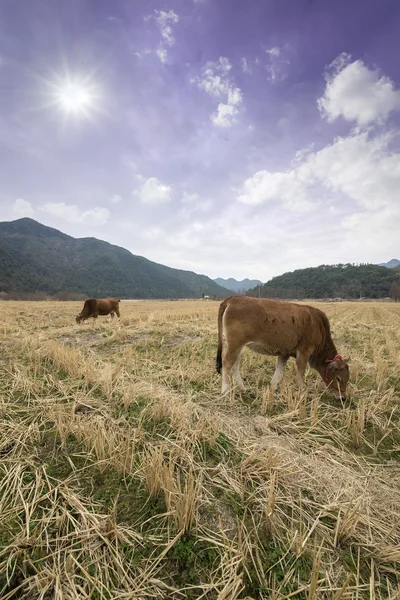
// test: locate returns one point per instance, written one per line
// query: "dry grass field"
(125, 475)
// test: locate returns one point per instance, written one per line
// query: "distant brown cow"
(282, 329)
(94, 307)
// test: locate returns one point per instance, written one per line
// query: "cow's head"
(337, 376)
(79, 318)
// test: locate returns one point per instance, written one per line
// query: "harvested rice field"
(125, 475)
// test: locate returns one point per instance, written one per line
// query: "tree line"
(347, 281)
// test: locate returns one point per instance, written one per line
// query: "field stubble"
(124, 474)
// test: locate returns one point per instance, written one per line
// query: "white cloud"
(153, 192)
(277, 64)
(275, 51)
(240, 245)
(216, 83)
(192, 205)
(302, 154)
(244, 63)
(376, 231)
(153, 234)
(357, 93)
(71, 213)
(162, 55)
(115, 199)
(129, 162)
(225, 115)
(165, 21)
(22, 208)
(286, 186)
(189, 198)
(359, 166)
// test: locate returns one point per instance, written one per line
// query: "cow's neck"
(319, 360)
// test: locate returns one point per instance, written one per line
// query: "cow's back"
(277, 327)
(108, 305)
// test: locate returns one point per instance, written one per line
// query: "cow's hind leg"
(112, 315)
(230, 362)
(280, 365)
(237, 376)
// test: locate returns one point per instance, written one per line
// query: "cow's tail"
(221, 311)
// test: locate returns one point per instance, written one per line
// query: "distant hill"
(392, 264)
(238, 286)
(331, 281)
(34, 257)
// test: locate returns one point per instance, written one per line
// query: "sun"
(74, 96)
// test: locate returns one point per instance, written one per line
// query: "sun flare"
(74, 96)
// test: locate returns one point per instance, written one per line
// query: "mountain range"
(37, 258)
(238, 286)
(392, 264)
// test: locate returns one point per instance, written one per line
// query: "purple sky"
(236, 139)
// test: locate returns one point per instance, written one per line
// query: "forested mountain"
(331, 281)
(34, 257)
(238, 286)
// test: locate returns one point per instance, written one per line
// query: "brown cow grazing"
(94, 307)
(282, 329)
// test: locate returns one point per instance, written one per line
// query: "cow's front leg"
(280, 365)
(301, 364)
